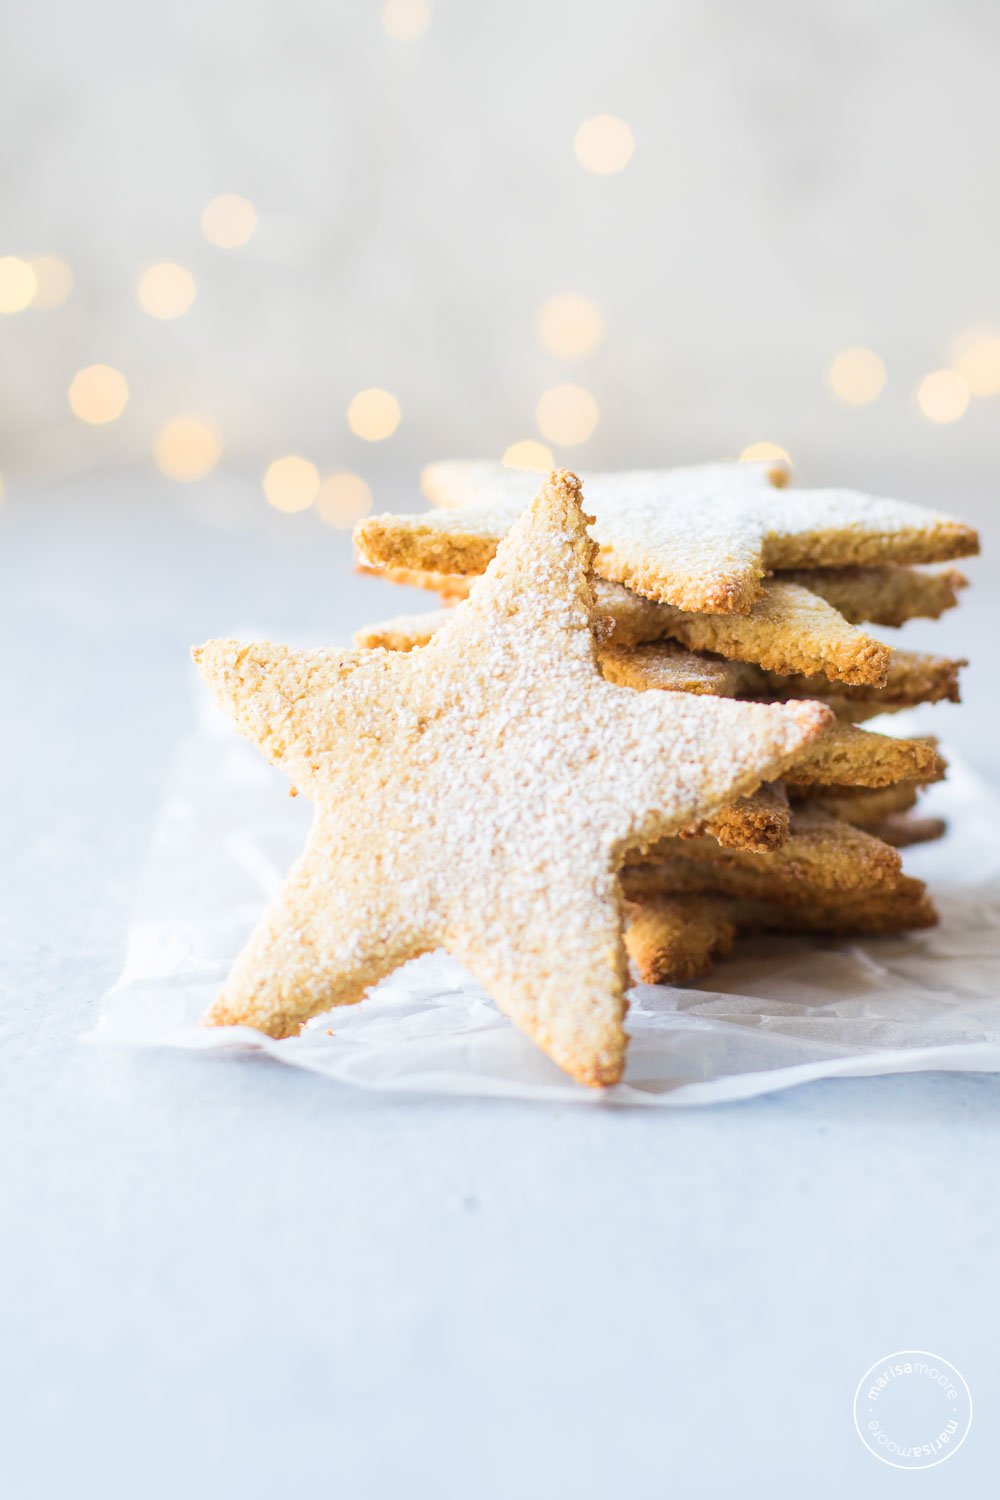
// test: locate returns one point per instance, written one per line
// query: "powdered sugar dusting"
(479, 793)
(701, 538)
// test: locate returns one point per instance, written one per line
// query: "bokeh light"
(977, 361)
(765, 453)
(570, 326)
(166, 290)
(187, 448)
(943, 396)
(374, 414)
(344, 499)
(404, 20)
(857, 376)
(53, 282)
(228, 221)
(604, 144)
(291, 483)
(529, 453)
(566, 415)
(18, 284)
(98, 394)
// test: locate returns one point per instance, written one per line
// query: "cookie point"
(565, 479)
(815, 717)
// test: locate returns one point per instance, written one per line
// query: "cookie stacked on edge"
(719, 581)
(482, 795)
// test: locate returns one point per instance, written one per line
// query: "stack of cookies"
(722, 582)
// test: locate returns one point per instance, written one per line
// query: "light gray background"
(222, 1277)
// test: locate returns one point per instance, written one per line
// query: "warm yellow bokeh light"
(566, 415)
(344, 499)
(374, 414)
(977, 360)
(604, 144)
(98, 394)
(570, 326)
(166, 290)
(228, 221)
(857, 376)
(291, 483)
(943, 396)
(18, 284)
(405, 19)
(53, 282)
(765, 453)
(187, 448)
(529, 454)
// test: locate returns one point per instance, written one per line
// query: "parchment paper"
(784, 1011)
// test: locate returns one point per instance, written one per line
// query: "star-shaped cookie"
(480, 794)
(700, 538)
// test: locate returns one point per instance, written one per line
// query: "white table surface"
(223, 1277)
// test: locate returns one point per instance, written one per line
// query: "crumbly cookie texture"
(451, 587)
(459, 805)
(822, 856)
(846, 756)
(756, 822)
(401, 632)
(669, 667)
(701, 538)
(876, 596)
(883, 596)
(843, 756)
(673, 939)
(864, 807)
(662, 664)
(913, 677)
(790, 630)
(760, 822)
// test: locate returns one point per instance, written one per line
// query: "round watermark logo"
(912, 1409)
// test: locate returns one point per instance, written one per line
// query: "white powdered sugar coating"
(741, 501)
(479, 794)
(701, 538)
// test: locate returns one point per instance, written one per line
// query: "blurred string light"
(943, 396)
(374, 414)
(404, 20)
(566, 415)
(529, 454)
(228, 221)
(977, 360)
(570, 326)
(166, 290)
(857, 376)
(343, 499)
(291, 483)
(765, 453)
(604, 144)
(18, 284)
(98, 394)
(53, 282)
(187, 448)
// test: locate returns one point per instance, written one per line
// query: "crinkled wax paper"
(785, 1010)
